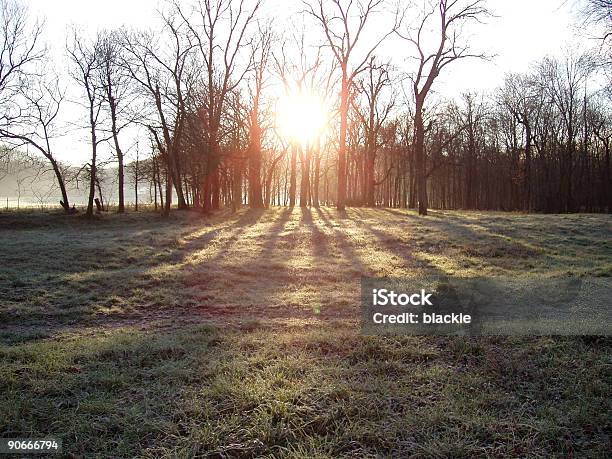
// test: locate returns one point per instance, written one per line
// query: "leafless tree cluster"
(540, 143)
(598, 12)
(203, 88)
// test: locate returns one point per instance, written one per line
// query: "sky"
(519, 33)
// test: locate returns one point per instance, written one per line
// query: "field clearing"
(237, 335)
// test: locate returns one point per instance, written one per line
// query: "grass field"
(237, 335)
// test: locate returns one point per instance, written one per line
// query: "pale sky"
(522, 32)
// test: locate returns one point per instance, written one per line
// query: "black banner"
(486, 306)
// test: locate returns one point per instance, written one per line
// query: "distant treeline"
(540, 143)
(29, 182)
(206, 82)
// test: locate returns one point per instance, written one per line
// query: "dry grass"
(279, 262)
(105, 344)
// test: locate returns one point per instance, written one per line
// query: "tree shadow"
(475, 235)
(340, 238)
(128, 269)
(318, 239)
(115, 270)
(255, 389)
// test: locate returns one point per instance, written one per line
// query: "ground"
(238, 335)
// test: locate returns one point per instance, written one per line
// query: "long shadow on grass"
(400, 248)
(66, 295)
(301, 391)
(248, 277)
(271, 236)
(318, 240)
(532, 237)
(342, 240)
(307, 392)
(484, 242)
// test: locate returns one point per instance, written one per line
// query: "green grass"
(308, 391)
(237, 336)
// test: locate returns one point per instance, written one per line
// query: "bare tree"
(85, 65)
(304, 75)
(598, 13)
(220, 29)
(262, 53)
(29, 102)
(373, 117)
(30, 95)
(116, 85)
(522, 98)
(20, 52)
(343, 24)
(563, 82)
(450, 16)
(163, 73)
(38, 125)
(601, 124)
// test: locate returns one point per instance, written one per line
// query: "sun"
(301, 117)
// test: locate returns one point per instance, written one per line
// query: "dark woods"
(203, 88)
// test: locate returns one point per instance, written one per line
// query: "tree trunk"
(168, 202)
(341, 198)
(305, 181)
(60, 180)
(317, 176)
(118, 151)
(255, 194)
(370, 175)
(215, 192)
(293, 177)
(527, 172)
(92, 171)
(101, 206)
(419, 139)
(237, 184)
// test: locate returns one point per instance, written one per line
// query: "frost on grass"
(102, 324)
(280, 261)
